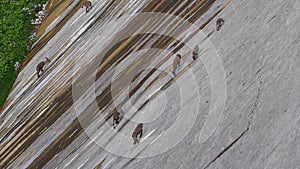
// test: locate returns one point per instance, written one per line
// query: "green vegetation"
(15, 28)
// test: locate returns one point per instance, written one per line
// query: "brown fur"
(219, 23)
(195, 52)
(116, 118)
(137, 131)
(87, 5)
(176, 62)
(40, 66)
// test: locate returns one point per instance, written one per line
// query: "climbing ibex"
(219, 23)
(195, 52)
(88, 6)
(40, 66)
(176, 62)
(137, 131)
(116, 118)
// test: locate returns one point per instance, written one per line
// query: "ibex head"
(47, 60)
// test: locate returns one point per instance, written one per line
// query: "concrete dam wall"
(235, 105)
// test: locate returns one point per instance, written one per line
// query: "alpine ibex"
(137, 131)
(195, 52)
(40, 66)
(219, 23)
(176, 63)
(88, 6)
(116, 118)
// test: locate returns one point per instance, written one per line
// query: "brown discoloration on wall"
(58, 145)
(99, 166)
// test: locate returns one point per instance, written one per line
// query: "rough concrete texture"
(258, 46)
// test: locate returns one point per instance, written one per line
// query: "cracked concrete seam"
(229, 146)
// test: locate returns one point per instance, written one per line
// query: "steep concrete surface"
(63, 119)
(259, 44)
